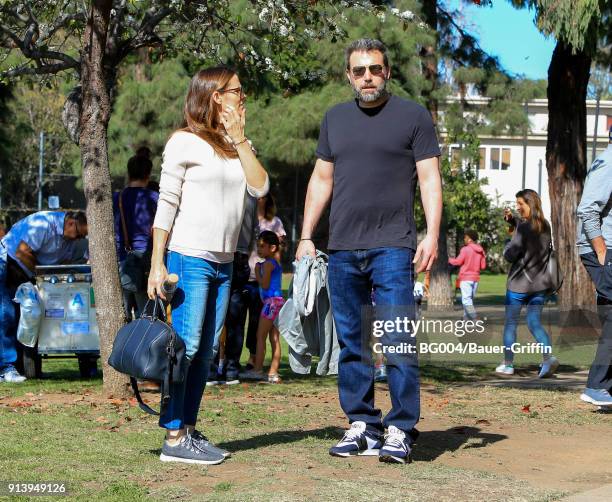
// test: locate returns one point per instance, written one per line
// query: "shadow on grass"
(430, 444)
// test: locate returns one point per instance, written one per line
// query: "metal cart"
(68, 327)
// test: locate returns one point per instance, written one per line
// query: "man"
(370, 152)
(235, 320)
(594, 245)
(139, 206)
(43, 238)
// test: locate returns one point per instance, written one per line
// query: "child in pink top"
(471, 261)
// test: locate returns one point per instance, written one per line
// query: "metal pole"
(540, 177)
(525, 146)
(594, 149)
(41, 161)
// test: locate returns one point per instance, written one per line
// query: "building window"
(505, 164)
(494, 159)
(482, 162)
(455, 158)
(500, 158)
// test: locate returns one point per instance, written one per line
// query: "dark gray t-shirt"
(374, 151)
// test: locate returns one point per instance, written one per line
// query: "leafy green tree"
(92, 41)
(582, 29)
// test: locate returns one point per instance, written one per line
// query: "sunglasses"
(235, 90)
(375, 69)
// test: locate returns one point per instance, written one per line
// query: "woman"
(528, 280)
(208, 168)
(266, 213)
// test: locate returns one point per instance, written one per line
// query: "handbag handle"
(126, 237)
(154, 315)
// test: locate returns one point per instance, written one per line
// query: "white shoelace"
(353, 433)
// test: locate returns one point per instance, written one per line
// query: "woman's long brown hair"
(536, 218)
(201, 112)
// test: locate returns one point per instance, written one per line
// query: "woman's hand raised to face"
(233, 120)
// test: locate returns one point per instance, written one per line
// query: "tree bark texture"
(568, 77)
(440, 291)
(94, 117)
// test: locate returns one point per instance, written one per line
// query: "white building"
(501, 157)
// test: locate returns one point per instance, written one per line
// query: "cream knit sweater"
(201, 197)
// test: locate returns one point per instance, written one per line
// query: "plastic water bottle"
(31, 314)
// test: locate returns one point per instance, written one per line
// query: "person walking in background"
(208, 168)
(471, 261)
(371, 151)
(528, 251)
(595, 248)
(134, 210)
(269, 276)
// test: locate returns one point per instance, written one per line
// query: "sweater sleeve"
(259, 192)
(171, 180)
(595, 196)
(459, 260)
(515, 248)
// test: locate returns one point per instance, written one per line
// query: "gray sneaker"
(188, 451)
(598, 397)
(204, 444)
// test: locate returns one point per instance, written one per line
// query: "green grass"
(63, 428)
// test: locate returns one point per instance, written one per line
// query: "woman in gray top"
(528, 280)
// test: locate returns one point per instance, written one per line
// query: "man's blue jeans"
(514, 304)
(8, 340)
(352, 276)
(198, 312)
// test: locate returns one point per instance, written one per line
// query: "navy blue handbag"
(148, 348)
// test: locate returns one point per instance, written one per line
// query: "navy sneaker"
(396, 449)
(357, 441)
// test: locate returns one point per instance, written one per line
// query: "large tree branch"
(45, 69)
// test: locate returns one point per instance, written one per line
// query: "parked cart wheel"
(32, 362)
(88, 365)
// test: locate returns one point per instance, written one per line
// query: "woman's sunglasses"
(235, 90)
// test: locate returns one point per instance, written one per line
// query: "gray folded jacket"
(306, 321)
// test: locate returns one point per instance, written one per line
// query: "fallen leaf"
(526, 408)
(21, 404)
(483, 421)
(116, 402)
(102, 420)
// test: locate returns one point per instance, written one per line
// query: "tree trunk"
(440, 292)
(568, 77)
(440, 288)
(95, 113)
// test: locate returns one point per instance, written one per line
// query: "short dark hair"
(79, 216)
(144, 151)
(139, 167)
(471, 233)
(367, 45)
(269, 238)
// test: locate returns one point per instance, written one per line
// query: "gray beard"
(371, 96)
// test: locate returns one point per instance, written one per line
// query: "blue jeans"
(198, 312)
(352, 276)
(8, 331)
(514, 304)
